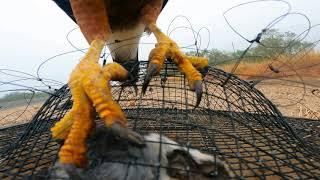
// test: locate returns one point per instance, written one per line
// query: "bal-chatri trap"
(234, 122)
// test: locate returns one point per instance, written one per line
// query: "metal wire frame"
(233, 122)
(308, 130)
(9, 135)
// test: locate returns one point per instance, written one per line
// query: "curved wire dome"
(233, 122)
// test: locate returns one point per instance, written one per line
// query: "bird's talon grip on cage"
(198, 90)
(151, 71)
(127, 134)
(189, 65)
(90, 88)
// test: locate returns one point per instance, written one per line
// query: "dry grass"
(292, 83)
(304, 65)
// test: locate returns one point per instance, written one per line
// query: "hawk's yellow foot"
(189, 65)
(90, 88)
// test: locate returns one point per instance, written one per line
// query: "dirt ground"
(293, 97)
(18, 114)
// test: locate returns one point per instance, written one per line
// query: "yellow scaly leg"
(90, 87)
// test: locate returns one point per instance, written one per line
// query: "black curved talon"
(151, 71)
(204, 71)
(198, 90)
(127, 134)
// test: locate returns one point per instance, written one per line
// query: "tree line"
(272, 44)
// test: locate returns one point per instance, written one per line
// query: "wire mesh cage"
(234, 122)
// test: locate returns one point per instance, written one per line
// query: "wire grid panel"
(308, 130)
(233, 121)
(9, 135)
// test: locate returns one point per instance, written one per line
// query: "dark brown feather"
(124, 14)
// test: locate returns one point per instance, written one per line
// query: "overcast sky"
(32, 31)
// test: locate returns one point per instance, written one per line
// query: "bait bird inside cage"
(235, 132)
